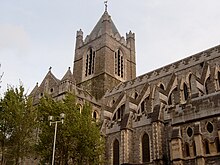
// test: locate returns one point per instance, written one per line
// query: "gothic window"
(217, 145)
(116, 152)
(189, 131)
(186, 93)
(119, 113)
(145, 148)
(219, 79)
(144, 104)
(95, 115)
(209, 127)
(187, 150)
(119, 63)
(207, 83)
(190, 82)
(136, 95)
(206, 146)
(194, 148)
(90, 62)
(171, 97)
(161, 86)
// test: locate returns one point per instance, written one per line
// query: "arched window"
(207, 83)
(190, 82)
(145, 148)
(194, 148)
(172, 97)
(144, 105)
(187, 150)
(206, 146)
(217, 145)
(116, 152)
(119, 63)
(95, 115)
(119, 113)
(219, 79)
(185, 90)
(136, 95)
(161, 86)
(90, 62)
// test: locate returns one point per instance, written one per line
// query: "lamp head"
(50, 118)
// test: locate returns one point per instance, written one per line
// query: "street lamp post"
(50, 118)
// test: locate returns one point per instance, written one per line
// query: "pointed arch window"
(90, 62)
(207, 84)
(185, 90)
(119, 63)
(217, 145)
(194, 148)
(145, 148)
(187, 150)
(219, 79)
(116, 152)
(206, 146)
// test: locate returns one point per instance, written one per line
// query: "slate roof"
(100, 27)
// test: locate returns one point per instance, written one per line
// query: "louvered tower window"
(119, 63)
(90, 62)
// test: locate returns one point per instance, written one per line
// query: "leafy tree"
(17, 117)
(78, 138)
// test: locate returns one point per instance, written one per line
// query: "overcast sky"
(37, 34)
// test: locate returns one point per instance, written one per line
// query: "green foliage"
(78, 138)
(17, 117)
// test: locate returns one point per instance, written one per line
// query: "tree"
(1, 75)
(78, 140)
(17, 116)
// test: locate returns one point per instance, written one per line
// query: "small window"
(186, 93)
(194, 148)
(136, 95)
(209, 127)
(189, 132)
(51, 90)
(95, 115)
(206, 143)
(187, 149)
(161, 86)
(217, 145)
(219, 79)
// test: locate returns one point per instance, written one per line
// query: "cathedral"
(170, 115)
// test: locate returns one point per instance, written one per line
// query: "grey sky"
(37, 34)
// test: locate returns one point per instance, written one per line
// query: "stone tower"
(104, 58)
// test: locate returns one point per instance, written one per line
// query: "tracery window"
(119, 63)
(90, 62)
(116, 152)
(145, 148)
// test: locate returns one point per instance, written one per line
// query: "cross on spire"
(106, 5)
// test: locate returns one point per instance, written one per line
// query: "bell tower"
(103, 58)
